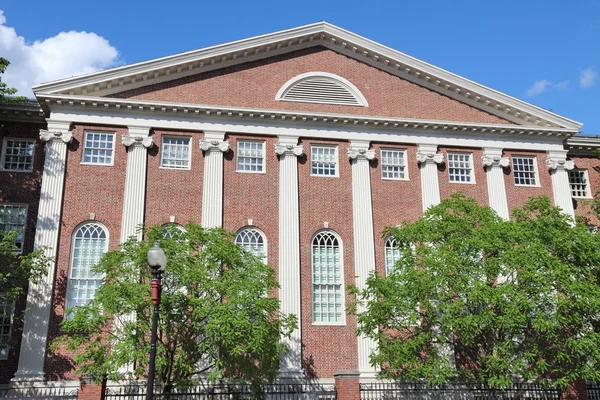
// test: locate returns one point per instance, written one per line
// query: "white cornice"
(319, 34)
(203, 111)
(29, 111)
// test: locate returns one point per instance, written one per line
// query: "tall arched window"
(252, 240)
(171, 230)
(90, 242)
(392, 254)
(327, 279)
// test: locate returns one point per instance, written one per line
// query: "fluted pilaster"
(39, 295)
(364, 244)
(494, 165)
(213, 146)
(289, 250)
(428, 158)
(559, 166)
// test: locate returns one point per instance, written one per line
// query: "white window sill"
(175, 169)
(21, 171)
(325, 176)
(99, 164)
(329, 323)
(530, 186)
(395, 179)
(251, 172)
(463, 183)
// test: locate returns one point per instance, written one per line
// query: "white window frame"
(264, 156)
(26, 206)
(588, 191)
(405, 171)
(257, 231)
(536, 173)
(95, 132)
(342, 321)
(189, 158)
(72, 255)
(471, 167)
(396, 256)
(10, 306)
(3, 155)
(337, 159)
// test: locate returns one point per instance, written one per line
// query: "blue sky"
(544, 52)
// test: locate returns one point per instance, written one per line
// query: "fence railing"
(417, 391)
(593, 391)
(40, 393)
(280, 391)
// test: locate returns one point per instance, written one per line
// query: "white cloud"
(538, 87)
(61, 56)
(587, 77)
(562, 85)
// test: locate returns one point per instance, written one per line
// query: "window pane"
(175, 153)
(14, 218)
(253, 241)
(250, 156)
(393, 164)
(579, 183)
(323, 160)
(524, 170)
(327, 278)
(98, 148)
(459, 167)
(392, 255)
(18, 155)
(6, 313)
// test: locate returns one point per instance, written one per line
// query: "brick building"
(307, 142)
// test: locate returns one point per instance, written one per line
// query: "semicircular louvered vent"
(321, 87)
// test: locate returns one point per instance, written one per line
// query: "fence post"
(575, 391)
(90, 390)
(347, 385)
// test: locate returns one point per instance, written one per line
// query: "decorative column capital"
(427, 154)
(134, 140)
(215, 145)
(492, 157)
(62, 136)
(557, 159)
(360, 154)
(289, 149)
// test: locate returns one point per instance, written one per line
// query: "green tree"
(6, 93)
(215, 314)
(474, 298)
(16, 269)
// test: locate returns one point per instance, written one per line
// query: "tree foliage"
(478, 299)
(16, 269)
(215, 315)
(7, 93)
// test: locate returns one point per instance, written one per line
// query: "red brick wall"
(172, 192)
(394, 201)
(477, 190)
(88, 189)
(24, 188)
(582, 206)
(253, 195)
(517, 196)
(326, 349)
(255, 85)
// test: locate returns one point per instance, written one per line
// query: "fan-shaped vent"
(321, 88)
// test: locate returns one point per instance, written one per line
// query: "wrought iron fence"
(593, 391)
(280, 391)
(417, 391)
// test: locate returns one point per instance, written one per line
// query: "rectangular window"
(324, 160)
(525, 170)
(7, 308)
(578, 180)
(250, 156)
(13, 217)
(17, 154)
(175, 152)
(460, 167)
(98, 148)
(393, 164)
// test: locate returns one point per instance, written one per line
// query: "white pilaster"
(428, 158)
(558, 165)
(494, 163)
(364, 243)
(289, 250)
(137, 142)
(214, 146)
(39, 295)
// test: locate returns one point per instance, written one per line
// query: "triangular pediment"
(113, 82)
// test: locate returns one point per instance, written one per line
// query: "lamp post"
(157, 262)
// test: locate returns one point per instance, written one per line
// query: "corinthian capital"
(289, 149)
(145, 141)
(63, 136)
(360, 154)
(215, 145)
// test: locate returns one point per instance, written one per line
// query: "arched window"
(252, 240)
(321, 87)
(392, 254)
(90, 242)
(327, 279)
(172, 229)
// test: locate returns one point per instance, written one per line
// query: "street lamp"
(157, 262)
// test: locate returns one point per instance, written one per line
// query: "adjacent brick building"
(307, 142)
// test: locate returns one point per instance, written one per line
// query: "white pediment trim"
(133, 76)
